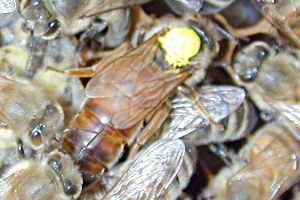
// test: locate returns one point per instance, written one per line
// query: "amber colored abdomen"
(93, 144)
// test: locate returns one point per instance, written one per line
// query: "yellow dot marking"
(180, 44)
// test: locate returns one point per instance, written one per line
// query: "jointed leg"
(151, 128)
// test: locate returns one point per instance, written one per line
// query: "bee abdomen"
(93, 145)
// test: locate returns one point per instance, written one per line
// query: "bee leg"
(191, 94)
(99, 66)
(208, 173)
(151, 128)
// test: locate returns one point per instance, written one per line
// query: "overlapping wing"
(218, 101)
(273, 171)
(152, 173)
(132, 86)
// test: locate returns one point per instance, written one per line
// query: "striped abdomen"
(93, 142)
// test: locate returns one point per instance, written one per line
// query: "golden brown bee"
(123, 95)
(53, 177)
(267, 167)
(47, 17)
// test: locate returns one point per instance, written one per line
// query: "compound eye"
(36, 134)
(53, 29)
(54, 162)
(70, 189)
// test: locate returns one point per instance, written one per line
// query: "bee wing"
(273, 170)
(152, 172)
(218, 101)
(96, 6)
(289, 111)
(7, 6)
(4, 187)
(132, 85)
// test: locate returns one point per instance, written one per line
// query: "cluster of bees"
(107, 99)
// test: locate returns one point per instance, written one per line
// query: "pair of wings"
(132, 86)
(152, 173)
(218, 101)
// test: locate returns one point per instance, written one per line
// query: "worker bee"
(129, 89)
(268, 167)
(270, 75)
(52, 177)
(284, 14)
(224, 104)
(25, 110)
(47, 17)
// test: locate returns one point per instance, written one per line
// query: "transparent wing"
(4, 187)
(272, 170)
(131, 86)
(291, 112)
(7, 6)
(182, 7)
(218, 101)
(152, 173)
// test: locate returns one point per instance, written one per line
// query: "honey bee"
(159, 164)
(284, 14)
(270, 166)
(25, 110)
(271, 76)
(53, 177)
(123, 95)
(47, 17)
(224, 104)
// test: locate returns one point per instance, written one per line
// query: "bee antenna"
(26, 70)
